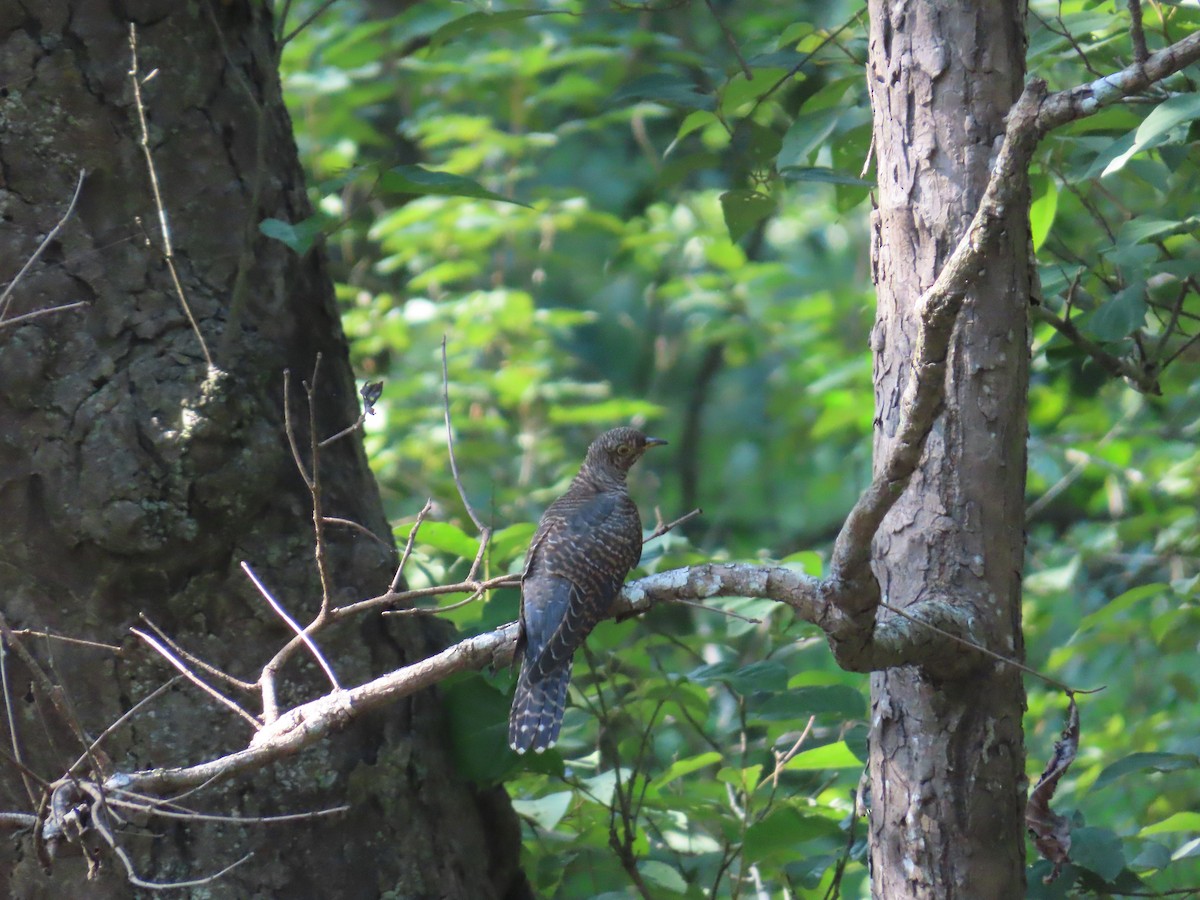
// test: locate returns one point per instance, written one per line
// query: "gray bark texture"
(947, 754)
(133, 479)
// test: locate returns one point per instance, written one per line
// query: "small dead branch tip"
(462, 493)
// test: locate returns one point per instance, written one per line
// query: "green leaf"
(691, 122)
(1121, 315)
(1042, 210)
(421, 181)
(662, 875)
(799, 703)
(299, 236)
(1155, 128)
(1108, 613)
(1143, 228)
(1099, 850)
(765, 675)
(546, 811)
(670, 90)
(739, 91)
(1146, 762)
(743, 210)
(1166, 116)
(824, 175)
(782, 830)
(832, 756)
(510, 543)
(483, 21)
(478, 724)
(442, 536)
(1180, 821)
(682, 767)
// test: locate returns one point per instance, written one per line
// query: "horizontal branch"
(310, 722)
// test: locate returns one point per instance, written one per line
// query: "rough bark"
(135, 479)
(947, 758)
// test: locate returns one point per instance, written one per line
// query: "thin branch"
(314, 488)
(483, 529)
(300, 632)
(290, 430)
(6, 297)
(121, 720)
(51, 636)
(38, 313)
(412, 536)
(197, 662)
(663, 527)
(154, 807)
(308, 20)
(1137, 376)
(144, 143)
(194, 678)
(354, 526)
(1054, 682)
(730, 40)
(12, 723)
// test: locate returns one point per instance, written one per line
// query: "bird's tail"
(537, 709)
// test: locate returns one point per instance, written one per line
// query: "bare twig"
(38, 313)
(290, 430)
(6, 297)
(50, 635)
(412, 536)
(483, 529)
(314, 488)
(782, 759)
(196, 662)
(662, 528)
(194, 678)
(361, 529)
(725, 612)
(12, 723)
(122, 719)
(144, 143)
(300, 632)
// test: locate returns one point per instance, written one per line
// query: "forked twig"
(412, 536)
(6, 297)
(194, 678)
(195, 661)
(300, 632)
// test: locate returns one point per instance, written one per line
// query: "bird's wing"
(578, 560)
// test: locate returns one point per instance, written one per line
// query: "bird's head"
(614, 452)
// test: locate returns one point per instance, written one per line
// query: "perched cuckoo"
(584, 546)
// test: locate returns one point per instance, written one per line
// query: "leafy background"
(659, 214)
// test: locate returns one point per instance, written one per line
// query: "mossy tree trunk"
(135, 479)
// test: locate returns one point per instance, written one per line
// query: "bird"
(585, 544)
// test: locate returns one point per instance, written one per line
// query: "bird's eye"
(624, 450)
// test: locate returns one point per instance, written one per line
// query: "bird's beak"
(654, 442)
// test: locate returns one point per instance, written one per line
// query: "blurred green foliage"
(613, 215)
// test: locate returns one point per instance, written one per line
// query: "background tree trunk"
(947, 757)
(132, 479)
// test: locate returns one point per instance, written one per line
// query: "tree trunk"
(135, 479)
(947, 757)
